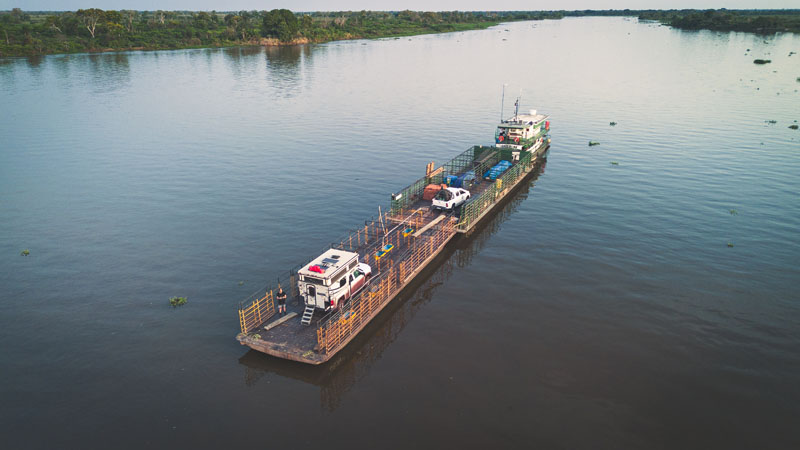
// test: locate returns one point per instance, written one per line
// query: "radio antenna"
(503, 101)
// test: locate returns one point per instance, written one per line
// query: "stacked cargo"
(431, 190)
(465, 180)
(497, 170)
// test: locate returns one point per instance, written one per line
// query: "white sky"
(389, 5)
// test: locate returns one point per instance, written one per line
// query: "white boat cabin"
(522, 132)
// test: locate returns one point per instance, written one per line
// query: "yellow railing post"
(242, 323)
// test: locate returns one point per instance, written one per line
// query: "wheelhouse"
(522, 132)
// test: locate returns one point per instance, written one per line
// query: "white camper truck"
(331, 279)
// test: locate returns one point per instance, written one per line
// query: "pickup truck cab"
(449, 198)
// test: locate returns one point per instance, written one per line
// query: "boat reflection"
(353, 363)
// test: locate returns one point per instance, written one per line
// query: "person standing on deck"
(281, 301)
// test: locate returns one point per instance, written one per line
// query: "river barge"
(332, 297)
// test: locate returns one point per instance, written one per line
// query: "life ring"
(516, 139)
(500, 139)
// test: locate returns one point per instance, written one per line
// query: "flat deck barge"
(417, 235)
(398, 245)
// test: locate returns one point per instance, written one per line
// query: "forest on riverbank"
(753, 20)
(89, 30)
(92, 30)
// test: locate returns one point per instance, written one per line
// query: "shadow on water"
(241, 54)
(355, 361)
(242, 60)
(285, 68)
(35, 62)
(109, 72)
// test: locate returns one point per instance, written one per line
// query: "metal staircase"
(308, 314)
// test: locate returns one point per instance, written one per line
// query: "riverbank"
(750, 21)
(93, 30)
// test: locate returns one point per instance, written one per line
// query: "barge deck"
(415, 234)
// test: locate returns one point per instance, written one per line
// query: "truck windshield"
(444, 194)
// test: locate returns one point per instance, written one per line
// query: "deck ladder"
(308, 314)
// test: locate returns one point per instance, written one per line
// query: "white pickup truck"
(449, 198)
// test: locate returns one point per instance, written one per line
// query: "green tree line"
(753, 21)
(34, 33)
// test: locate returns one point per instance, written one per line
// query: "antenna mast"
(502, 102)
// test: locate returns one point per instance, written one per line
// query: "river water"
(649, 304)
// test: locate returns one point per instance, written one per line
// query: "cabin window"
(357, 274)
(343, 282)
(312, 280)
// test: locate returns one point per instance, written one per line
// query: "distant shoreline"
(263, 42)
(97, 31)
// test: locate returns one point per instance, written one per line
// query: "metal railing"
(474, 207)
(466, 161)
(338, 327)
(259, 307)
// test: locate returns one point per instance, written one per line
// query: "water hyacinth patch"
(177, 301)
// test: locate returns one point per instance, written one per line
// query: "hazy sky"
(388, 5)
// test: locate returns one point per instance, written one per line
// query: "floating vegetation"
(733, 212)
(771, 121)
(793, 126)
(177, 301)
(614, 163)
(593, 143)
(730, 244)
(25, 252)
(798, 79)
(241, 283)
(762, 61)
(792, 53)
(613, 124)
